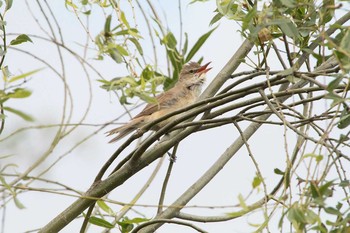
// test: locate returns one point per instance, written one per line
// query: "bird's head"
(193, 74)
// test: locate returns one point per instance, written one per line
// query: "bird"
(185, 92)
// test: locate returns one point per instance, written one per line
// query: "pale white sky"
(79, 167)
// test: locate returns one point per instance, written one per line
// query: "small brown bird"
(184, 93)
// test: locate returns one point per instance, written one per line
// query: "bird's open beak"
(203, 69)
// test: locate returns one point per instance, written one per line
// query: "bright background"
(78, 166)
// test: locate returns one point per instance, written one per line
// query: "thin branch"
(141, 226)
(166, 179)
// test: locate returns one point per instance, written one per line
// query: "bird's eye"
(192, 71)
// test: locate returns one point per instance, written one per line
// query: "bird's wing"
(163, 101)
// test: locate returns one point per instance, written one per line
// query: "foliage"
(12, 84)
(123, 43)
(295, 57)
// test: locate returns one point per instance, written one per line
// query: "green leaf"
(288, 3)
(6, 185)
(5, 73)
(122, 32)
(289, 29)
(342, 53)
(344, 121)
(24, 75)
(249, 19)
(343, 138)
(327, 188)
(146, 97)
(133, 32)
(19, 113)
(108, 24)
(185, 47)
(327, 11)
(256, 181)
(242, 202)
(19, 93)
(115, 55)
(336, 99)
(335, 83)
(202, 1)
(122, 50)
(101, 222)
(135, 220)
(344, 183)
(105, 207)
(71, 4)
(123, 18)
(315, 191)
(21, 39)
(296, 217)
(8, 4)
(198, 45)
(318, 158)
(137, 45)
(216, 18)
(18, 204)
(333, 211)
(169, 40)
(311, 217)
(125, 227)
(231, 9)
(278, 171)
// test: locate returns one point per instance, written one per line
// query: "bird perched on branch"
(185, 92)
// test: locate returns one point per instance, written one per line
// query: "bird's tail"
(126, 129)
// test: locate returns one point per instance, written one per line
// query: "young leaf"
(256, 181)
(21, 39)
(185, 47)
(101, 222)
(115, 55)
(108, 24)
(19, 113)
(289, 29)
(135, 220)
(216, 18)
(288, 3)
(8, 4)
(19, 93)
(146, 97)
(123, 18)
(18, 204)
(137, 45)
(342, 52)
(335, 83)
(121, 50)
(296, 216)
(105, 207)
(344, 122)
(242, 202)
(278, 171)
(5, 73)
(17, 77)
(198, 45)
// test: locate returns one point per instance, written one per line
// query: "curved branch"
(138, 228)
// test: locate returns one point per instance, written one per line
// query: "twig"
(166, 179)
(138, 228)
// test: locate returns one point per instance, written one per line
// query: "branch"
(101, 188)
(225, 157)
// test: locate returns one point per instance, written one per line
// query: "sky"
(78, 166)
